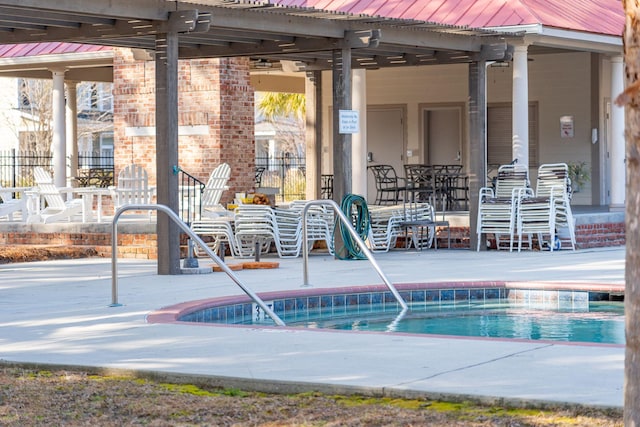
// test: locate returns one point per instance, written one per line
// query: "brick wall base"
(143, 245)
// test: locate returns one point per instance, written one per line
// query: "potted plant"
(579, 175)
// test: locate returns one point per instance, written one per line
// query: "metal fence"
(286, 173)
(16, 167)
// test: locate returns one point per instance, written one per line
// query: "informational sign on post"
(566, 127)
(349, 121)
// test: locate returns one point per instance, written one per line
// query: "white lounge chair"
(219, 229)
(9, 205)
(55, 208)
(385, 227)
(132, 187)
(212, 193)
(497, 208)
(548, 210)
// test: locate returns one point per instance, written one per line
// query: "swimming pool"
(488, 310)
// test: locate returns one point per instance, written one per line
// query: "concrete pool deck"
(57, 312)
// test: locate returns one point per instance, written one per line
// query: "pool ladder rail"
(363, 247)
(197, 240)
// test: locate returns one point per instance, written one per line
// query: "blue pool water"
(558, 315)
(600, 323)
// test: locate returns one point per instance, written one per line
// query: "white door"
(385, 142)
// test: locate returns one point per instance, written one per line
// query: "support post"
(313, 97)
(478, 142)
(341, 141)
(166, 61)
(359, 140)
(618, 167)
(72, 130)
(59, 140)
(520, 114)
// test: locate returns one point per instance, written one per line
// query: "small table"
(87, 194)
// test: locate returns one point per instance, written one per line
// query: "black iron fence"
(16, 167)
(286, 173)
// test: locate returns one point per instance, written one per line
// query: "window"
(499, 134)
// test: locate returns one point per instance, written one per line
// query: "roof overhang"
(258, 29)
(545, 36)
(86, 66)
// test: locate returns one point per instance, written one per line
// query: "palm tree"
(279, 104)
(630, 98)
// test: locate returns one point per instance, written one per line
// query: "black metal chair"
(388, 185)
(326, 187)
(421, 183)
(259, 172)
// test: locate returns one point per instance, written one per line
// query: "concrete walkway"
(57, 312)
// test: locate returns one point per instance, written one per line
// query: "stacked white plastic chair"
(385, 222)
(289, 232)
(220, 230)
(254, 224)
(320, 223)
(497, 209)
(422, 233)
(548, 210)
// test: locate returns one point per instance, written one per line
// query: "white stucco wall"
(9, 118)
(559, 83)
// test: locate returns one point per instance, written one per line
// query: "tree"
(286, 112)
(278, 104)
(630, 98)
(34, 104)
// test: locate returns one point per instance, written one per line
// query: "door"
(385, 142)
(442, 135)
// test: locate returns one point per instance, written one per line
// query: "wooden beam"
(341, 141)
(117, 32)
(276, 23)
(478, 148)
(167, 150)
(142, 9)
(290, 45)
(262, 47)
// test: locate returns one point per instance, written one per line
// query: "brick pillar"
(216, 117)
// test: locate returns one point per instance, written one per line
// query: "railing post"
(175, 218)
(352, 231)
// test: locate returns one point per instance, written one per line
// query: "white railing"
(194, 237)
(354, 234)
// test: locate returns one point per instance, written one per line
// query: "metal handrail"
(354, 234)
(194, 237)
(192, 188)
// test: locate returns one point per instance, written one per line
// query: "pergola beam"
(142, 9)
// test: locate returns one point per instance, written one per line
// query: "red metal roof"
(33, 49)
(593, 16)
